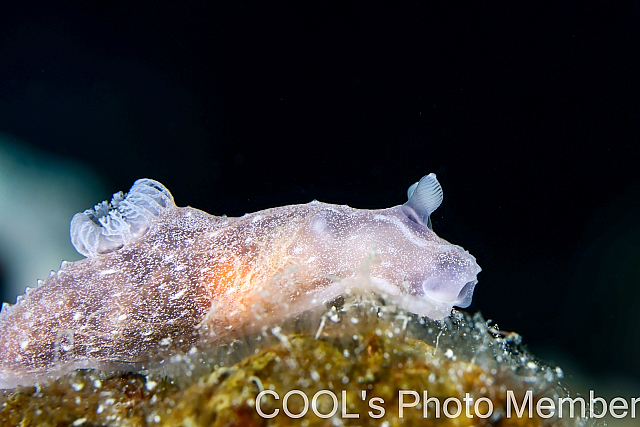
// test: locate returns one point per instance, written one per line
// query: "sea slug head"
(447, 276)
(420, 271)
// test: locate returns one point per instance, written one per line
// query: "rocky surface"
(357, 350)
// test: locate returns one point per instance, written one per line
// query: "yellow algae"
(367, 354)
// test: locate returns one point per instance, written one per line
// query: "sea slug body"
(160, 278)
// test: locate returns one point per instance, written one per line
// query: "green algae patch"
(360, 363)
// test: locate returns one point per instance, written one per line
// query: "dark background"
(528, 114)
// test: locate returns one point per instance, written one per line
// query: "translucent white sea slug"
(160, 278)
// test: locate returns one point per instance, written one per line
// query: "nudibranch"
(160, 278)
